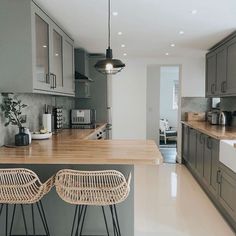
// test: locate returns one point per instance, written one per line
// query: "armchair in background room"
(166, 132)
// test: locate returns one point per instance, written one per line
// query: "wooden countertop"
(68, 148)
(214, 131)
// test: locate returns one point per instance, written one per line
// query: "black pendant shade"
(109, 66)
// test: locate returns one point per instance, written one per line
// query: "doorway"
(163, 93)
(169, 96)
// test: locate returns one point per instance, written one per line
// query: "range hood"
(81, 77)
(82, 65)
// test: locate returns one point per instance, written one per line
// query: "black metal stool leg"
(42, 219)
(73, 225)
(117, 220)
(104, 215)
(44, 216)
(33, 220)
(79, 219)
(6, 230)
(23, 214)
(1, 209)
(114, 222)
(12, 220)
(83, 218)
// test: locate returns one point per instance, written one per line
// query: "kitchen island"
(68, 150)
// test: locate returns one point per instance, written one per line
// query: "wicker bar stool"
(20, 187)
(97, 188)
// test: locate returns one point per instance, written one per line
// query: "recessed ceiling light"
(123, 45)
(181, 32)
(119, 33)
(172, 45)
(194, 11)
(56, 54)
(115, 13)
(125, 54)
(167, 54)
(44, 46)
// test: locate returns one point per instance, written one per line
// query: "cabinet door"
(192, 147)
(227, 192)
(207, 161)
(68, 67)
(210, 74)
(185, 139)
(57, 60)
(214, 165)
(231, 68)
(221, 67)
(200, 153)
(41, 50)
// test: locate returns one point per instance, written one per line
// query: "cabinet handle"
(224, 86)
(47, 79)
(51, 81)
(218, 177)
(213, 88)
(55, 81)
(201, 138)
(209, 143)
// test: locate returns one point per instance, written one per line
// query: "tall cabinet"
(38, 56)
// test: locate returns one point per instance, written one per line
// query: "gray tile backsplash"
(34, 112)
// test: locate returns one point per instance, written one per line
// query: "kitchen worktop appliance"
(213, 117)
(83, 118)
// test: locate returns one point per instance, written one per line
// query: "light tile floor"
(169, 202)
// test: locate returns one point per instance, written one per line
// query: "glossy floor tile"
(169, 202)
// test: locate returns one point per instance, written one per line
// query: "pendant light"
(109, 66)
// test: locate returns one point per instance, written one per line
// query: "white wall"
(169, 75)
(129, 92)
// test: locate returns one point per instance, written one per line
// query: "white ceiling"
(148, 26)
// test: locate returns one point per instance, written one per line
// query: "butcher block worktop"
(214, 131)
(70, 147)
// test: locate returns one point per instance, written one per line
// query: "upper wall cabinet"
(37, 56)
(221, 69)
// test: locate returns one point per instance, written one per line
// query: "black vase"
(21, 139)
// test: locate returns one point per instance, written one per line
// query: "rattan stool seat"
(107, 187)
(22, 186)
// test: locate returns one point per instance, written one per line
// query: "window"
(175, 94)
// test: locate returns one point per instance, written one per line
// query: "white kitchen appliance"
(83, 118)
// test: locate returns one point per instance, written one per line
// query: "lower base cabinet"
(218, 181)
(227, 190)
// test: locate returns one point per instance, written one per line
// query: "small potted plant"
(12, 108)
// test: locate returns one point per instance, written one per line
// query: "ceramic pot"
(21, 139)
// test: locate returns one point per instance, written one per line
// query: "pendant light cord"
(109, 23)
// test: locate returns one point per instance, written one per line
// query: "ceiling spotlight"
(123, 45)
(172, 45)
(114, 13)
(125, 54)
(194, 11)
(181, 32)
(119, 33)
(44, 46)
(167, 54)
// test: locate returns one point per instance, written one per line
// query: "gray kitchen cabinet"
(31, 59)
(230, 86)
(192, 147)
(227, 190)
(200, 153)
(221, 71)
(68, 66)
(210, 164)
(211, 74)
(185, 141)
